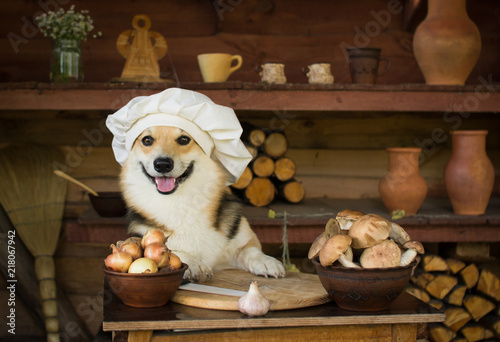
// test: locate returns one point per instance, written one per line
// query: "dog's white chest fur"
(200, 231)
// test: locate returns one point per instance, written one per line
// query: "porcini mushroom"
(369, 230)
(334, 249)
(398, 234)
(316, 245)
(332, 228)
(382, 255)
(347, 217)
(349, 255)
(412, 249)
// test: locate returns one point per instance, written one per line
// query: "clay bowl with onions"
(108, 204)
(145, 290)
(364, 289)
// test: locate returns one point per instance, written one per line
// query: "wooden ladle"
(71, 179)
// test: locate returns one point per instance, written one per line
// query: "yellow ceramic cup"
(216, 67)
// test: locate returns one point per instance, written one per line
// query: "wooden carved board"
(297, 290)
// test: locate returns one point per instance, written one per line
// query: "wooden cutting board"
(297, 290)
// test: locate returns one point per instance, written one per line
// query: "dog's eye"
(147, 140)
(183, 140)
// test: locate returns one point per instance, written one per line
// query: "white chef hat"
(215, 128)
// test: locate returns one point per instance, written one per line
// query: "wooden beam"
(409, 98)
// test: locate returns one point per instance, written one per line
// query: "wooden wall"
(294, 32)
(338, 155)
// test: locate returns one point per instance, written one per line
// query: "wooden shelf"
(435, 222)
(258, 96)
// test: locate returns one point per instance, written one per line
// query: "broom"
(33, 197)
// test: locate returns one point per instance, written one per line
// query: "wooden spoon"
(71, 179)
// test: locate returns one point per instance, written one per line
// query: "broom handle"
(71, 179)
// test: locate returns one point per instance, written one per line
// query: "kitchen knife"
(211, 289)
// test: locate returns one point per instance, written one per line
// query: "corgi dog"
(169, 182)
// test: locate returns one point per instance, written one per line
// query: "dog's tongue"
(165, 184)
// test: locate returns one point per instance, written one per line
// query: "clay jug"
(469, 173)
(402, 187)
(447, 43)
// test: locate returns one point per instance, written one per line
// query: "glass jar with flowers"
(67, 29)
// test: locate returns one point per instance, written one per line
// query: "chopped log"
(469, 276)
(456, 317)
(459, 338)
(436, 303)
(455, 265)
(418, 293)
(284, 169)
(440, 333)
(456, 295)
(263, 166)
(476, 332)
(253, 151)
(489, 284)
(244, 180)
(441, 285)
(275, 145)
(477, 306)
(434, 263)
(292, 191)
(260, 192)
(423, 279)
(252, 134)
(491, 322)
(256, 137)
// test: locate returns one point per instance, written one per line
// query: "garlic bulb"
(253, 303)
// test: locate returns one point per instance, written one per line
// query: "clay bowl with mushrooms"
(364, 289)
(364, 261)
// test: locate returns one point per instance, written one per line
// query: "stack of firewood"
(270, 174)
(467, 294)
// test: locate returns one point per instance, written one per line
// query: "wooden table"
(176, 322)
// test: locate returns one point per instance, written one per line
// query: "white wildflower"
(65, 25)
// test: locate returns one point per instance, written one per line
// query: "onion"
(118, 261)
(159, 253)
(143, 265)
(134, 239)
(130, 246)
(152, 236)
(175, 262)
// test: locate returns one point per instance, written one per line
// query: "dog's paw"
(197, 271)
(265, 266)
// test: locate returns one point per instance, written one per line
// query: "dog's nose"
(163, 165)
